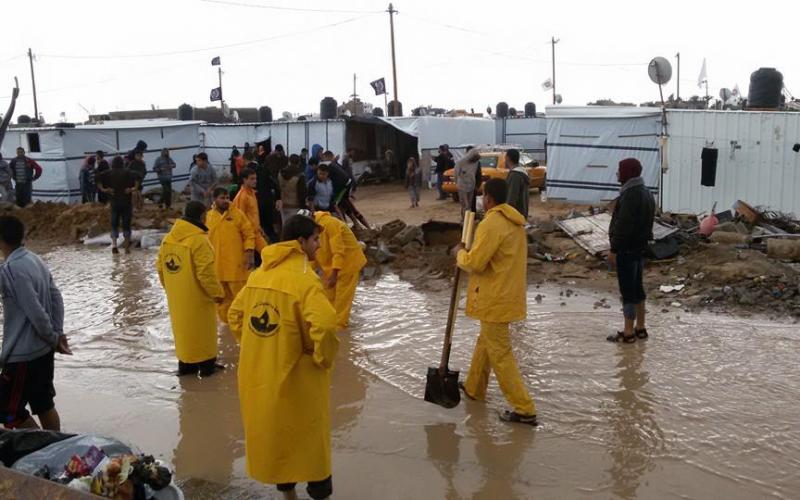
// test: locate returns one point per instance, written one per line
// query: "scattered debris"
(670, 289)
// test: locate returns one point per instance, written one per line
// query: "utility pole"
(33, 84)
(678, 55)
(354, 94)
(392, 12)
(221, 98)
(553, 42)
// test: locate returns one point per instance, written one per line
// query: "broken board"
(591, 232)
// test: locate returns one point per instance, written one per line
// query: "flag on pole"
(379, 86)
(216, 94)
(215, 61)
(703, 78)
(736, 92)
(547, 84)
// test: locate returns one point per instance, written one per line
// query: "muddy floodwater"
(707, 408)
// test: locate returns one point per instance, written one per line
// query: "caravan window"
(33, 143)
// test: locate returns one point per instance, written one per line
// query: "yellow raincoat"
(246, 201)
(339, 249)
(288, 343)
(497, 267)
(231, 235)
(185, 266)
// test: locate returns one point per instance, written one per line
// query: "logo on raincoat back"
(173, 263)
(265, 320)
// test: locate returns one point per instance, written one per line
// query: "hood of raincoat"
(273, 255)
(184, 229)
(509, 213)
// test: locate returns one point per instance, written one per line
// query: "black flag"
(216, 94)
(379, 86)
(215, 61)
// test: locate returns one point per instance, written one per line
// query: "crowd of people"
(271, 255)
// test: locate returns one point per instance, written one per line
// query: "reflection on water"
(706, 407)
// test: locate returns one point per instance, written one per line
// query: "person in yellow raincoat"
(287, 330)
(233, 240)
(246, 201)
(185, 266)
(341, 259)
(496, 295)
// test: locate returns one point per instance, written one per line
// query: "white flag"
(547, 84)
(736, 92)
(703, 78)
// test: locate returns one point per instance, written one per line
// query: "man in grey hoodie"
(163, 167)
(519, 183)
(465, 171)
(33, 330)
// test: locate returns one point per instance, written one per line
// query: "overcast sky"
(115, 55)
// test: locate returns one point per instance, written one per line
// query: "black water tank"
(377, 111)
(530, 110)
(501, 110)
(23, 119)
(766, 87)
(328, 108)
(399, 106)
(185, 112)
(265, 114)
(512, 112)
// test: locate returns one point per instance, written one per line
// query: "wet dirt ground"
(704, 409)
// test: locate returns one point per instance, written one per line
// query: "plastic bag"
(56, 456)
(17, 444)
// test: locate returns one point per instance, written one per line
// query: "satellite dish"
(559, 99)
(660, 71)
(725, 94)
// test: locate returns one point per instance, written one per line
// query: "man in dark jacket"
(268, 195)
(163, 167)
(443, 162)
(519, 183)
(101, 164)
(118, 183)
(24, 171)
(630, 231)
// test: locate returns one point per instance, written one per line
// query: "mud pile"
(60, 223)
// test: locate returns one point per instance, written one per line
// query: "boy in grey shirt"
(33, 330)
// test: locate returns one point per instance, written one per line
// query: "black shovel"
(441, 387)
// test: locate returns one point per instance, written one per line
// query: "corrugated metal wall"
(756, 162)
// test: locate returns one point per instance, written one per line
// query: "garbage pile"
(91, 464)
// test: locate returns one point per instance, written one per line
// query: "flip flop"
(620, 337)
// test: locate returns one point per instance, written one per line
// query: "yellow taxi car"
(493, 166)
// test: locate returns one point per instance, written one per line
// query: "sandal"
(642, 334)
(622, 338)
(517, 418)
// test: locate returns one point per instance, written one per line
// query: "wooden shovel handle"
(467, 233)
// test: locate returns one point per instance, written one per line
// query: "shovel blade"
(442, 388)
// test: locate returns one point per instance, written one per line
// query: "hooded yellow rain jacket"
(288, 343)
(497, 266)
(246, 201)
(231, 235)
(186, 270)
(339, 249)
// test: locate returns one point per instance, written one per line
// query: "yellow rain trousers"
(339, 249)
(496, 295)
(185, 266)
(288, 344)
(231, 234)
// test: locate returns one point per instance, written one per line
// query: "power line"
(290, 9)
(206, 49)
